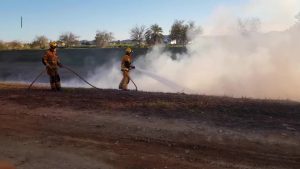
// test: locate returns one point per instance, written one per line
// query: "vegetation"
(13, 45)
(103, 38)
(40, 42)
(179, 31)
(137, 35)
(69, 39)
(140, 36)
(154, 35)
(118, 44)
(2, 45)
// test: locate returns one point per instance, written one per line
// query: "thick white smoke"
(226, 62)
(276, 15)
(255, 65)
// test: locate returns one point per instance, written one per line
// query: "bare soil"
(111, 129)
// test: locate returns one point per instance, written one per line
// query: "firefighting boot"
(53, 86)
(58, 86)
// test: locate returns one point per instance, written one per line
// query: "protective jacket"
(51, 59)
(126, 63)
(52, 62)
(125, 68)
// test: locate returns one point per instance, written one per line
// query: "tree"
(249, 25)
(2, 45)
(14, 45)
(40, 42)
(69, 39)
(154, 35)
(179, 31)
(193, 31)
(137, 34)
(103, 38)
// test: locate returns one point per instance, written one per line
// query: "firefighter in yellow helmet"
(125, 68)
(52, 62)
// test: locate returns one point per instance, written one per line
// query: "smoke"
(223, 61)
(276, 15)
(174, 86)
(107, 76)
(257, 65)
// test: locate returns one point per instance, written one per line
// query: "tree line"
(140, 36)
(180, 34)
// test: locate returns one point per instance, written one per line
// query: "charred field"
(93, 129)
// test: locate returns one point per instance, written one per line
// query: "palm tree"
(154, 35)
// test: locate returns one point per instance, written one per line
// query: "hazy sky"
(85, 17)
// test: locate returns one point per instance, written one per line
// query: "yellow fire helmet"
(128, 50)
(53, 45)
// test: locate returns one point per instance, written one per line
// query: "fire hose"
(136, 89)
(72, 71)
(42, 72)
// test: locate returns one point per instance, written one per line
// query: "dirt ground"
(111, 129)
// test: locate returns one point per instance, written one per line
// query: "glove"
(132, 67)
(124, 69)
(49, 66)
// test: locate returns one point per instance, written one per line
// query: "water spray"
(163, 80)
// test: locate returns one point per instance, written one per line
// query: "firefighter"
(125, 68)
(51, 61)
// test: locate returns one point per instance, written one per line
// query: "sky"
(85, 17)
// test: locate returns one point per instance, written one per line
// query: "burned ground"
(92, 129)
